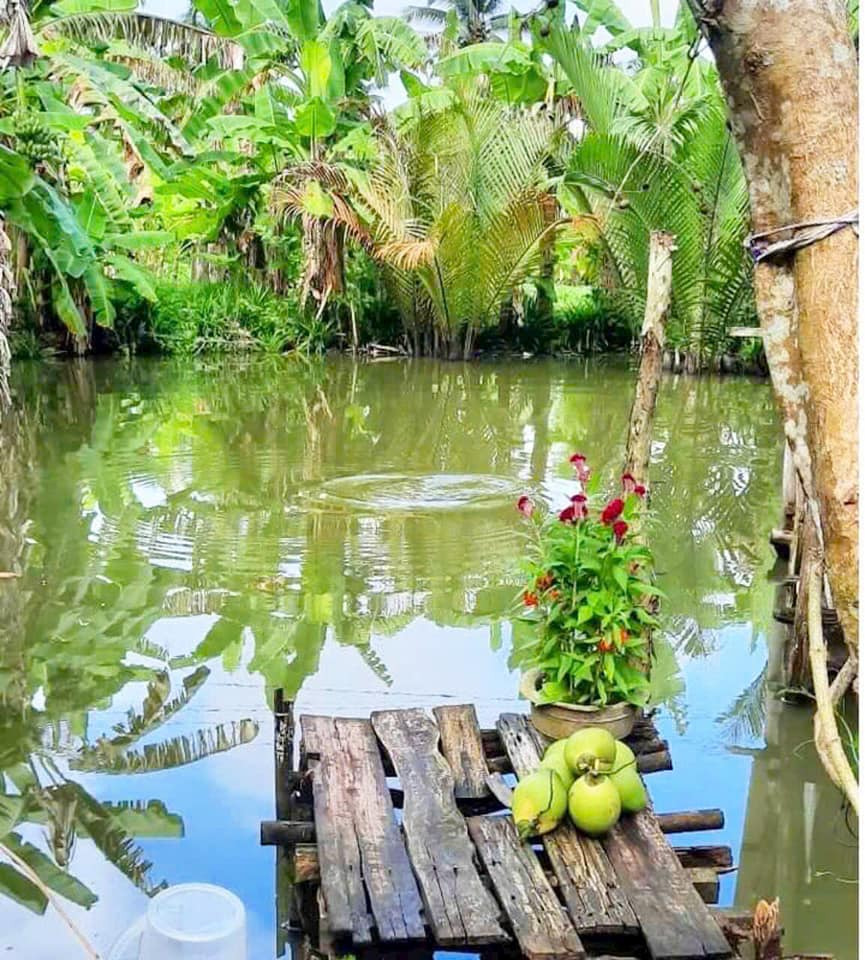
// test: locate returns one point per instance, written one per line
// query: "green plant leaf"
(18, 888)
(16, 177)
(315, 119)
(10, 812)
(316, 64)
(49, 873)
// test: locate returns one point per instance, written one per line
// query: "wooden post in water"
(658, 291)
(283, 757)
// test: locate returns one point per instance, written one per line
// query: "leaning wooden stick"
(826, 737)
(658, 293)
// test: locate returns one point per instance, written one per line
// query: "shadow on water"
(186, 538)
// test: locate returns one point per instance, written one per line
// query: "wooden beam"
(717, 857)
(689, 820)
(286, 832)
(705, 881)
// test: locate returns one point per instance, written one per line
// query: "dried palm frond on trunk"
(157, 36)
(19, 48)
(316, 193)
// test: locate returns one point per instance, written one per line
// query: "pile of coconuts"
(589, 775)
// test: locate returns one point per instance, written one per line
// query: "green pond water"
(191, 536)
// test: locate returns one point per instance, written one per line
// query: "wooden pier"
(397, 843)
(791, 541)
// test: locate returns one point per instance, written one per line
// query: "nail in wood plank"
(360, 846)
(459, 908)
(594, 897)
(540, 923)
(463, 749)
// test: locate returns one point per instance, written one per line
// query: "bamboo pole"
(658, 291)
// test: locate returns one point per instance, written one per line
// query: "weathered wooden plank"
(459, 908)
(674, 920)
(539, 922)
(720, 857)
(463, 749)
(587, 881)
(706, 882)
(359, 841)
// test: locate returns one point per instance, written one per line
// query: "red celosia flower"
(605, 646)
(581, 467)
(580, 506)
(613, 510)
(525, 505)
(640, 490)
(530, 599)
(620, 528)
(568, 515)
(628, 482)
(555, 595)
(545, 581)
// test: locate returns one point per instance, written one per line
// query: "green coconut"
(554, 759)
(590, 748)
(628, 781)
(594, 804)
(539, 803)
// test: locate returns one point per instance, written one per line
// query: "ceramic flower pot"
(559, 720)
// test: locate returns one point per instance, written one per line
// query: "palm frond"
(746, 715)
(158, 36)
(176, 752)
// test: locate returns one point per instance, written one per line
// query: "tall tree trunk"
(790, 74)
(546, 274)
(638, 447)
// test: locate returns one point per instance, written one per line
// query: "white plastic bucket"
(191, 921)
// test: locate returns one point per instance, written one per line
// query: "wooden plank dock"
(399, 843)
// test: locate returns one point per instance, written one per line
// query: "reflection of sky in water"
(236, 521)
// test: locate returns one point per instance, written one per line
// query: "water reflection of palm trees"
(137, 494)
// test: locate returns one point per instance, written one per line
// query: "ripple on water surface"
(406, 493)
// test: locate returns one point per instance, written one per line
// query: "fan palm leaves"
(657, 155)
(457, 204)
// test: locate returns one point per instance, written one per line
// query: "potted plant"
(589, 601)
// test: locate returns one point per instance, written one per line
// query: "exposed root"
(827, 740)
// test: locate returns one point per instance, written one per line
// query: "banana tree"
(79, 141)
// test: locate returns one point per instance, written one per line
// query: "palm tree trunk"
(790, 75)
(638, 447)
(546, 274)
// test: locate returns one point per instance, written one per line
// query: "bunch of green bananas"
(34, 140)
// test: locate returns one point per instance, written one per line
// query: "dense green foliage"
(233, 184)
